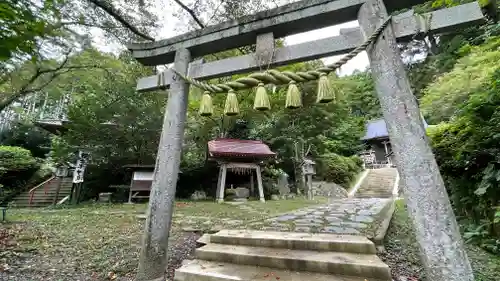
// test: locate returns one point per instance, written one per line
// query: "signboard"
(81, 164)
(143, 176)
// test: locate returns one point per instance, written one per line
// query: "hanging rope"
(283, 77)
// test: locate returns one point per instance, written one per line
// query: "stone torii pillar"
(161, 201)
(443, 253)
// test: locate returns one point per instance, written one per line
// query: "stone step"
(295, 241)
(373, 196)
(200, 270)
(375, 190)
(349, 264)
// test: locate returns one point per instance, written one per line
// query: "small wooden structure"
(377, 139)
(140, 184)
(241, 156)
(379, 153)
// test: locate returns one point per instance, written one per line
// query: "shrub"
(17, 167)
(338, 169)
(468, 155)
(15, 159)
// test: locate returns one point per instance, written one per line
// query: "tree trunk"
(300, 178)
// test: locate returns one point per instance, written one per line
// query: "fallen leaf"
(111, 276)
(4, 267)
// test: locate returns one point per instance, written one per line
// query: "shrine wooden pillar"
(221, 185)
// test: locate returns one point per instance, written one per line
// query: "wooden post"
(153, 259)
(252, 184)
(58, 189)
(310, 195)
(259, 184)
(72, 191)
(130, 196)
(437, 232)
(219, 178)
(220, 195)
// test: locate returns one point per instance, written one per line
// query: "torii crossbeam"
(436, 228)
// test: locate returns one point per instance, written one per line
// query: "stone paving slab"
(342, 216)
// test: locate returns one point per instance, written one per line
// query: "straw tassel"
(325, 91)
(232, 107)
(261, 102)
(293, 97)
(206, 106)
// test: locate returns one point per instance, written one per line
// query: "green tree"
(467, 151)
(445, 96)
(27, 136)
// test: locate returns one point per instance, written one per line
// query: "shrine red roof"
(238, 148)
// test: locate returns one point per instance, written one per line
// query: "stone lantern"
(308, 170)
(62, 171)
(308, 167)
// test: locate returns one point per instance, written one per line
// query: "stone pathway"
(342, 216)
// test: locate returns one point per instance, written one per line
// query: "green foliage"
(339, 169)
(17, 167)
(28, 136)
(15, 159)
(467, 151)
(444, 97)
(23, 23)
(360, 95)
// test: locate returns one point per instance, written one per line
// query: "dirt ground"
(402, 253)
(102, 242)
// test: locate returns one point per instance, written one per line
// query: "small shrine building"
(243, 157)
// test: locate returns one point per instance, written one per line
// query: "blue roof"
(378, 129)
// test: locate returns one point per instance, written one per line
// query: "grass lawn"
(94, 240)
(403, 253)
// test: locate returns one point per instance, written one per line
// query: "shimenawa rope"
(276, 77)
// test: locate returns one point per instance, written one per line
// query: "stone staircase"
(379, 183)
(43, 194)
(256, 255)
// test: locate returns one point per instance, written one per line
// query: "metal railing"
(32, 191)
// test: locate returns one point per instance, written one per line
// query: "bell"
(206, 107)
(232, 107)
(325, 91)
(261, 102)
(293, 97)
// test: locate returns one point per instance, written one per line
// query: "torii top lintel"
(289, 19)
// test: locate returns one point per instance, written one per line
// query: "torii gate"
(437, 231)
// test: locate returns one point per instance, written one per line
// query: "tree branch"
(27, 87)
(191, 12)
(110, 10)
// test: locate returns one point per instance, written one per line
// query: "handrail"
(32, 191)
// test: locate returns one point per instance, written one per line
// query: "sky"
(360, 62)
(172, 24)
